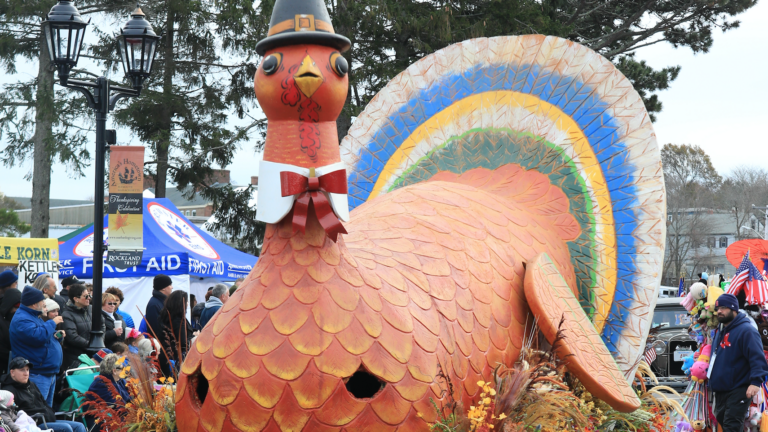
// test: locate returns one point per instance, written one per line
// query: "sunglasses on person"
(87, 297)
(112, 304)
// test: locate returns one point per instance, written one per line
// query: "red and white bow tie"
(282, 185)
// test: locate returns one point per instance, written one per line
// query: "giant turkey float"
(497, 183)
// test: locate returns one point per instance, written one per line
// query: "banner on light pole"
(126, 185)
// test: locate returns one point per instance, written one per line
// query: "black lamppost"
(64, 32)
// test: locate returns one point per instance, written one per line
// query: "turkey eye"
(271, 64)
(339, 64)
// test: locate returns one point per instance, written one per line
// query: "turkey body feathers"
(430, 276)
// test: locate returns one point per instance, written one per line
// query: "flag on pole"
(681, 287)
(749, 278)
(740, 277)
(650, 355)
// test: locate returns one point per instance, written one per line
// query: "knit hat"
(99, 356)
(161, 282)
(69, 281)
(6, 399)
(133, 333)
(7, 278)
(704, 276)
(31, 296)
(729, 301)
(51, 305)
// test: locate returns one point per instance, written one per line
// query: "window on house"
(754, 224)
(186, 213)
(723, 242)
(194, 212)
(669, 218)
(710, 242)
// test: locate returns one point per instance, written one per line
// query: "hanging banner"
(15, 249)
(29, 270)
(126, 184)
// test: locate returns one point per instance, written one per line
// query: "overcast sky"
(717, 102)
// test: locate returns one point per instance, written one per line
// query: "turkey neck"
(285, 139)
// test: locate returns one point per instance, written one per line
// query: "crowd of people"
(45, 332)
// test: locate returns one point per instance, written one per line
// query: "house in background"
(704, 236)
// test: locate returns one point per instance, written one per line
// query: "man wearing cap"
(27, 396)
(162, 286)
(8, 280)
(37, 341)
(65, 284)
(737, 365)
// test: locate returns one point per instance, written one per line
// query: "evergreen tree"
(36, 120)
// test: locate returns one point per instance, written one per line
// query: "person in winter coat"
(107, 386)
(8, 411)
(77, 324)
(162, 287)
(29, 399)
(197, 310)
(8, 306)
(176, 332)
(8, 280)
(127, 318)
(737, 365)
(110, 317)
(47, 285)
(37, 341)
(219, 296)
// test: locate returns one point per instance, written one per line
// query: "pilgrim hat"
(297, 22)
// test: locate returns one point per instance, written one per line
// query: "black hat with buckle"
(297, 22)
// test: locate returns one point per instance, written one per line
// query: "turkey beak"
(308, 78)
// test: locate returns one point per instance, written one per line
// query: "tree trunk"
(164, 144)
(41, 171)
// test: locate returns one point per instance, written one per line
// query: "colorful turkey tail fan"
(548, 105)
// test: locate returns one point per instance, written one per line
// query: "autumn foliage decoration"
(538, 394)
(151, 409)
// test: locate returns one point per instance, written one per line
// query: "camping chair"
(79, 385)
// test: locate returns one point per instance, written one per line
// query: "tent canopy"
(172, 246)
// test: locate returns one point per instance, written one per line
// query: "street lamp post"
(64, 31)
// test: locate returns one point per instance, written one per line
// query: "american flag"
(748, 277)
(650, 355)
(681, 288)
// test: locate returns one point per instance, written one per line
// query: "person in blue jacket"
(37, 341)
(737, 365)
